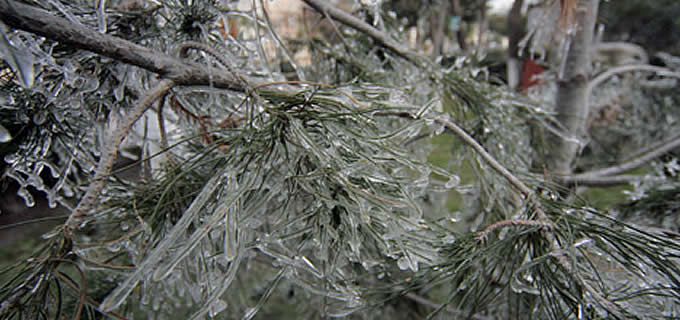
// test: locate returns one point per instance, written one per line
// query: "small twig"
(433, 305)
(602, 77)
(260, 48)
(161, 123)
(484, 234)
(338, 33)
(347, 19)
(526, 192)
(529, 195)
(284, 49)
(82, 290)
(91, 301)
(607, 181)
(613, 175)
(488, 158)
(110, 154)
(297, 82)
(186, 46)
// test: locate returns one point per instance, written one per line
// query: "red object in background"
(530, 75)
(229, 28)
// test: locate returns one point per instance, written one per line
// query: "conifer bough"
(35, 20)
(31, 19)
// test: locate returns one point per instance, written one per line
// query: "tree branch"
(571, 104)
(488, 158)
(110, 155)
(605, 181)
(34, 20)
(602, 77)
(433, 305)
(484, 234)
(323, 7)
(612, 175)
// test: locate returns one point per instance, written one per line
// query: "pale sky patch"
(500, 6)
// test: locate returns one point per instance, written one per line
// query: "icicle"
(222, 286)
(100, 6)
(28, 198)
(251, 312)
(231, 232)
(232, 202)
(5, 136)
(216, 307)
(118, 296)
(17, 56)
(453, 181)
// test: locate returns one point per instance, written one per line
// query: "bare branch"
(347, 19)
(488, 158)
(184, 52)
(286, 53)
(433, 305)
(619, 47)
(32, 19)
(602, 77)
(605, 181)
(110, 154)
(484, 234)
(612, 175)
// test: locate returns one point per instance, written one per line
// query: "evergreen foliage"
(312, 197)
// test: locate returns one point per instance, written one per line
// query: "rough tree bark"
(460, 33)
(438, 28)
(483, 26)
(515, 34)
(572, 94)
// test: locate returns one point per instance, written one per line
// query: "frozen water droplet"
(156, 303)
(218, 306)
(51, 234)
(403, 263)
(119, 92)
(68, 191)
(101, 16)
(51, 199)
(11, 158)
(453, 181)
(5, 136)
(17, 57)
(39, 118)
(250, 313)
(28, 198)
(114, 247)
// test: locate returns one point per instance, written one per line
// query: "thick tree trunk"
(460, 33)
(438, 29)
(515, 34)
(572, 93)
(483, 26)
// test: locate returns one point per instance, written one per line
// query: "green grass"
(606, 198)
(444, 146)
